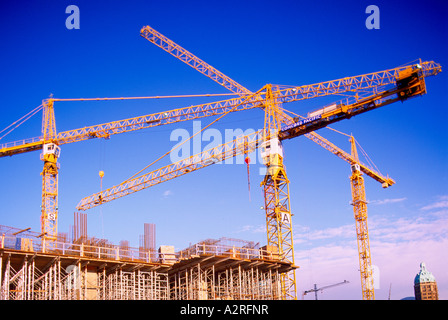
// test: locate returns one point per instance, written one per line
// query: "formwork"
(96, 270)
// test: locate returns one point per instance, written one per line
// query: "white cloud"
(398, 245)
(386, 201)
(409, 229)
(167, 193)
(253, 229)
(305, 235)
(443, 203)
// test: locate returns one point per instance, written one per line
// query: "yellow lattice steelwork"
(366, 92)
(359, 203)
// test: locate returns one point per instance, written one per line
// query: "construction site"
(92, 269)
(51, 265)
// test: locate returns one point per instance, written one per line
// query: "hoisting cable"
(147, 97)
(20, 121)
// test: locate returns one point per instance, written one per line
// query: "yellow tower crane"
(50, 155)
(378, 89)
(359, 203)
(369, 91)
(275, 183)
(276, 193)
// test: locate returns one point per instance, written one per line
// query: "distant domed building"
(425, 286)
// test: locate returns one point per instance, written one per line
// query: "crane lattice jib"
(289, 94)
(385, 181)
(353, 84)
(241, 145)
(105, 130)
(323, 142)
(177, 51)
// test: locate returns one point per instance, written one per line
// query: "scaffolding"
(92, 269)
(79, 282)
(242, 281)
(132, 285)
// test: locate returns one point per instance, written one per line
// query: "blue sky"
(253, 42)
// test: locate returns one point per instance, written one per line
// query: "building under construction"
(93, 269)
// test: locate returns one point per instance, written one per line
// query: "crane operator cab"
(356, 168)
(51, 148)
(272, 155)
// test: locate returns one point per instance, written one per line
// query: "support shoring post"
(259, 282)
(134, 287)
(104, 283)
(153, 285)
(109, 286)
(30, 281)
(120, 277)
(213, 282)
(231, 285)
(145, 285)
(221, 286)
(158, 289)
(113, 285)
(186, 287)
(21, 285)
(50, 283)
(54, 280)
(27, 289)
(244, 287)
(139, 295)
(25, 281)
(190, 285)
(79, 284)
(84, 282)
(147, 288)
(176, 297)
(118, 285)
(227, 284)
(193, 284)
(271, 289)
(59, 280)
(44, 289)
(33, 278)
(278, 285)
(253, 289)
(240, 284)
(166, 285)
(5, 287)
(218, 287)
(199, 282)
(152, 293)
